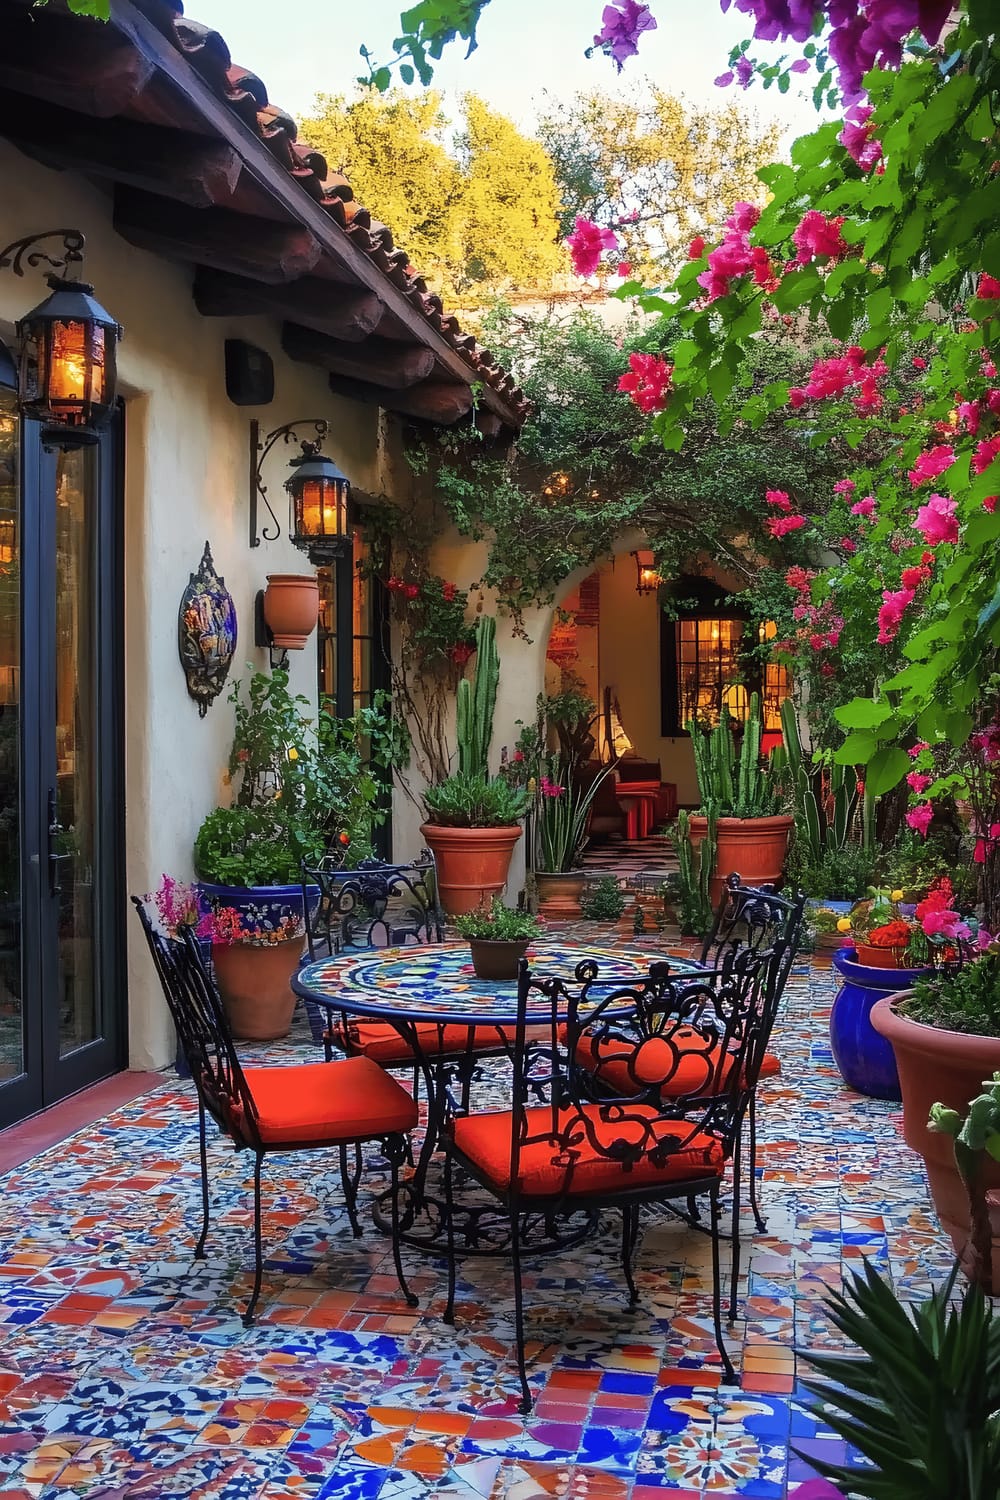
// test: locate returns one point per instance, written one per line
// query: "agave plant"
(922, 1401)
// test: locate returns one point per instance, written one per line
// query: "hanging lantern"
(648, 579)
(318, 494)
(68, 364)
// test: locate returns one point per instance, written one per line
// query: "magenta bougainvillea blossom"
(840, 375)
(858, 141)
(932, 463)
(895, 603)
(587, 244)
(623, 24)
(864, 507)
(936, 521)
(818, 237)
(647, 381)
(735, 256)
(919, 817)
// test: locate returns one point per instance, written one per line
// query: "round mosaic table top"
(436, 981)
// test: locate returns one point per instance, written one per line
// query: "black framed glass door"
(62, 992)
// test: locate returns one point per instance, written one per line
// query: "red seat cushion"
(314, 1103)
(383, 1043)
(548, 1168)
(695, 1073)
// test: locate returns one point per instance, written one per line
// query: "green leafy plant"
(604, 901)
(474, 802)
(824, 797)
(497, 923)
(842, 874)
(736, 786)
(921, 1402)
(694, 903)
(965, 999)
(560, 812)
(302, 786)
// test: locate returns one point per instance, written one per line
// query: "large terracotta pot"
(472, 863)
(493, 959)
(559, 892)
(946, 1067)
(881, 958)
(753, 848)
(255, 985)
(291, 608)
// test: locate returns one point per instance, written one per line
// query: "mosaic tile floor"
(125, 1371)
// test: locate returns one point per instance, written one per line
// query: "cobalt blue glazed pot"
(865, 1059)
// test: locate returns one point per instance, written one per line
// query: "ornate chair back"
(203, 1030)
(709, 1029)
(753, 918)
(376, 905)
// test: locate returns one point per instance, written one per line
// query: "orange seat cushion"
(686, 1066)
(548, 1168)
(383, 1043)
(316, 1103)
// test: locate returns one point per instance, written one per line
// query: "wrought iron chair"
(568, 1144)
(307, 1107)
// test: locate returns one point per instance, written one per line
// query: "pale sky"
(526, 47)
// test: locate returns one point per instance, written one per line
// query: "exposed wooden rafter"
(256, 248)
(376, 361)
(343, 312)
(435, 401)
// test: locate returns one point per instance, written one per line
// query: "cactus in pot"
(476, 702)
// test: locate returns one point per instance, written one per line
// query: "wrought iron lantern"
(68, 346)
(648, 579)
(318, 496)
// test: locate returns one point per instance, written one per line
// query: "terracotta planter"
(559, 892)
(497, 960)
(291, 608)
(255, 985)
(472, 863)
(880, 958)
(753, 848)
(945, 1067)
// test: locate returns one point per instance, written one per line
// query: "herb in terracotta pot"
(498, 937)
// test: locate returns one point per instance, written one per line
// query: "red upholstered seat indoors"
(548, 1168)
(330, 1102)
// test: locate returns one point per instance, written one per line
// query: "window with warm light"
(705, 672)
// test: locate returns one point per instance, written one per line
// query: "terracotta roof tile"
(246, 94)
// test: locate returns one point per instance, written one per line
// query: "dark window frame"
(702, 599)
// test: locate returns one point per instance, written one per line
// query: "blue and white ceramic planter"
(865, 1059)
(265, 906)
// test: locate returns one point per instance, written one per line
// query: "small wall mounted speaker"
(249, 374)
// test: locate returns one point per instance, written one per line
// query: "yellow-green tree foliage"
(474, 203)
(655, 168)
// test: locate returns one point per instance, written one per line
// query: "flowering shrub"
(181, 905)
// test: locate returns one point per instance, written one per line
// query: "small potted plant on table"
(498, 938)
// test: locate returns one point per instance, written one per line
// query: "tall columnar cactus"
(695, 870)
(476, 702)
(816, 827)
(738, 788)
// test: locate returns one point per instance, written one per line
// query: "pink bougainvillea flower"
(912, 578)
(647, 381)
(744, 217)
(919, 817)
(799, 578)
(865, 507)
(918, 749)
(858, 141)
(778, 498)
(936, 521)
(945, 924)
(890, 616)
(988, 287)
(970, 415)
(623, 24)
(817, 642)
(918, 781)
(780, 526)
(844, 487)
(848, 546)
(932, 463)
(818, 237)
(796, 397)
(918, 363)
(696, 249)
(990, 503)
(984, 453)
(624, 268)
(587, 244)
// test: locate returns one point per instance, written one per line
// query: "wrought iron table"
(435, 985)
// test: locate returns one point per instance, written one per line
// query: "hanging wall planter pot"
(291, 608)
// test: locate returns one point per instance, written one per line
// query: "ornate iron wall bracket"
(19, 254)
(259, 449)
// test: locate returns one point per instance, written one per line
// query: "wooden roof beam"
(256, 248)
(343, 312)
(378, 362)
(437, 401)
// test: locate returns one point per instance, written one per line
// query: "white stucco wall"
(186, 482)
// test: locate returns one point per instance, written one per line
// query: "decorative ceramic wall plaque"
(206, 633)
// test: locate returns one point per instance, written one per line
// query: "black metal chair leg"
(199, 1249)
(727, 1364)
(629, 1212)
(396, 1151)
(759, 1219)
(694, 1213)
(524, 1405)
(735, 1232)
(349, 1184)
(449, 1214)
(258, 1248)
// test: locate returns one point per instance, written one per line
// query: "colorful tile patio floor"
(125, 1370)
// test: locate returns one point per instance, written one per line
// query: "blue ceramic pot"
(266, 904)
(865, 1059)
